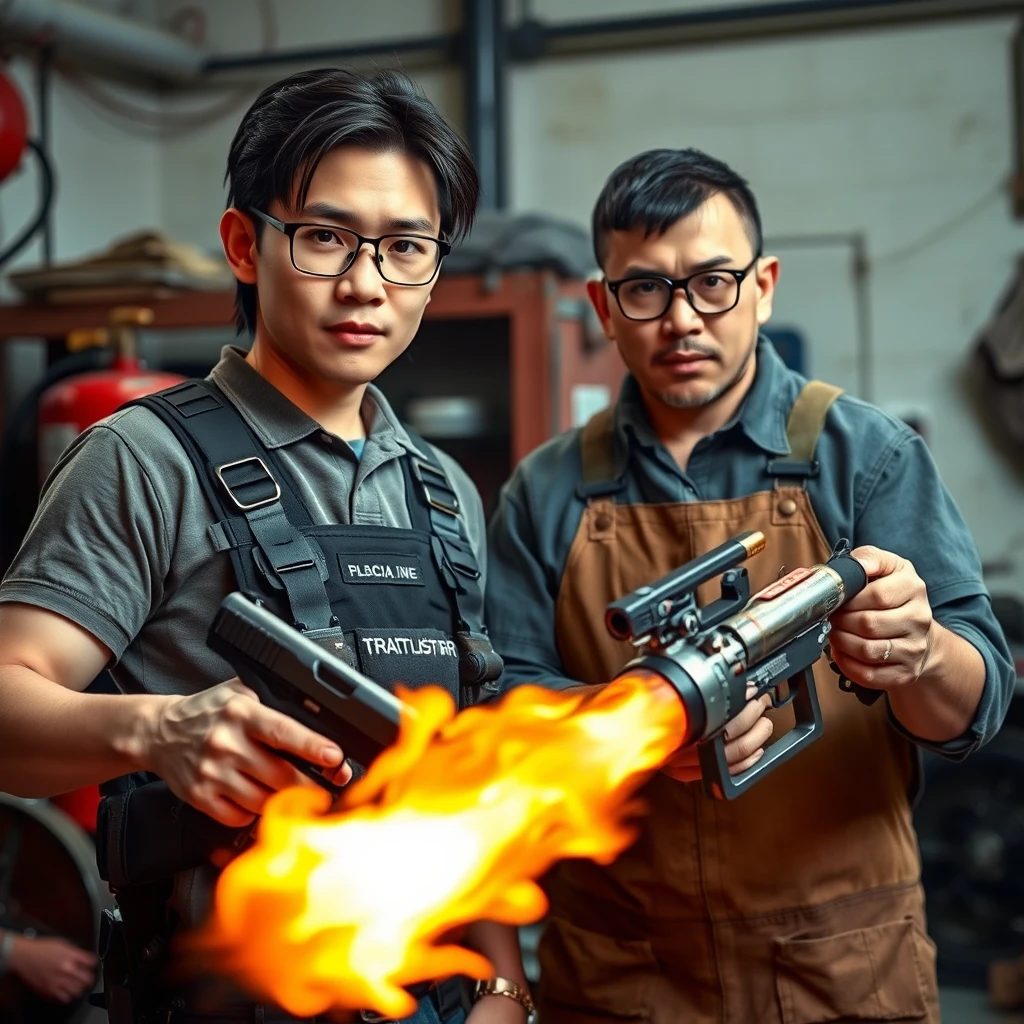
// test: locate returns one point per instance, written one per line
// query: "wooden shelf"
(548, 353)
(455, 296)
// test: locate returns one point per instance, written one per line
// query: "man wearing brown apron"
(800, 901)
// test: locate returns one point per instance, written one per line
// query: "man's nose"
(681, 316)
(362, 281)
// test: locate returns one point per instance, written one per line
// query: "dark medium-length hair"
(661, 186)
(294, 123)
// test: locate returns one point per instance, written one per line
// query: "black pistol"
(710, 655)
(292, 674)
(145, 833)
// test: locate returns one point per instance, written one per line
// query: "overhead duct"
(75, 30)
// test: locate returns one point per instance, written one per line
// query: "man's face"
(346, 330)
(683, 358)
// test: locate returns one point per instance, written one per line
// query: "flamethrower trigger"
(711, 655)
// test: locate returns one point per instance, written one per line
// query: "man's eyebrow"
(337, 215)
(638, 270)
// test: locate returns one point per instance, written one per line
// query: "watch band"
(509, 989)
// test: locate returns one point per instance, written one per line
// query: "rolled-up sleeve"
(907, 509)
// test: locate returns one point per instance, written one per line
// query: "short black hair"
(661, 186)
(294, 123)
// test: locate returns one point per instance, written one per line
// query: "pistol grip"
(720, 785)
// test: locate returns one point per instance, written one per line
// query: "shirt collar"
(277, 421)
(762, 416)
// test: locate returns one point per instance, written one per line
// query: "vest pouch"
(869, 974)
(479, 663)
(335, 641)
(411, 657)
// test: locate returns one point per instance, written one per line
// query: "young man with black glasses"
(276, 475)
(801, 900)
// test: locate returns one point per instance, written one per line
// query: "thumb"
(876, 562)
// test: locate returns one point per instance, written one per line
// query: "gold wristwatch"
(509, 989)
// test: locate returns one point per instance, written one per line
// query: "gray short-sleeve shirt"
(123, 541)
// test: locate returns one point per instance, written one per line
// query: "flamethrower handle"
(720, 785)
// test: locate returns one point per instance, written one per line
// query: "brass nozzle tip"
(754, 543)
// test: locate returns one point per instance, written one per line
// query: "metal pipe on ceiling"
(484, 62)
(75, 30)
(533, 39)
(729, 24)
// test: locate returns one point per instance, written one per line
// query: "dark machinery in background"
(49, 886)
(970, 824)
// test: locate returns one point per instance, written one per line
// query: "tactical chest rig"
(399, 605)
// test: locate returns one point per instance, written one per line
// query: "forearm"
(56, 739)
(942, 704)
(500, 944)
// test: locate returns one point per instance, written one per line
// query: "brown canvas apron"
(797, 903)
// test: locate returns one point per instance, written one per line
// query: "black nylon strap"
(434, 509)
(241, 477)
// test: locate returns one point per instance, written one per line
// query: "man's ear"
(598, 294)
(767, 276)
(238, 237)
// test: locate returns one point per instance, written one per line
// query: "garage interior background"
(881, 138)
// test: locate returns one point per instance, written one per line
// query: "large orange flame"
(453, 824)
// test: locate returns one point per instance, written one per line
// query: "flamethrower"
(327, 909)
(711, 655)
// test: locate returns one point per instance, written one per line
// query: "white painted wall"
(902, 136)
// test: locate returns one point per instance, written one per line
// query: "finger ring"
(888, 650)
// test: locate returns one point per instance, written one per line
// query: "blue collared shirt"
(877, 485)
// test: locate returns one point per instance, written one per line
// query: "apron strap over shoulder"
(806, 421)
(602, 474)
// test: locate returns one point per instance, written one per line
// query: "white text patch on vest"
(410, 645)
(400, 570)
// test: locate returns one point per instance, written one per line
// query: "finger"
(227, 813)
(244, 791)
(343, 776)
(874, 677)
(749, 762)
(866, 651)
(886, 594)
(284, 733)
(745, 720)
(265, 767)
(82, 959)
(876, 561)
(78, 979)
(742, 747)
(872, 624)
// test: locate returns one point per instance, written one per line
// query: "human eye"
(407, 246)
(322, 237)
(642, 287)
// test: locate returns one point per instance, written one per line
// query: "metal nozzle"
(753, 543)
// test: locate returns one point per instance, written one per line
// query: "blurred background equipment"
(49, 887)
(14, 141)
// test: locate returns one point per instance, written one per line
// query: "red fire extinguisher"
(71, 405)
